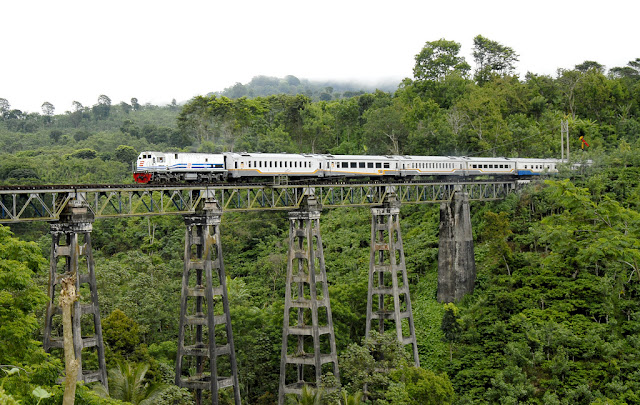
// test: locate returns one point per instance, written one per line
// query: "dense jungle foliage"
(554, 318)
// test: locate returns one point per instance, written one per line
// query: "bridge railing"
(123, 201)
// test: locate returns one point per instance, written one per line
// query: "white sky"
(155, 50)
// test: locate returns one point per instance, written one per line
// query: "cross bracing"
(46, 204)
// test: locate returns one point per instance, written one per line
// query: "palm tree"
(354, 399)
(309, 396)
(127, 383)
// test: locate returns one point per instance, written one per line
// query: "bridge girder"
(46, 204)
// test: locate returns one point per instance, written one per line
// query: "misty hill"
(262, 86)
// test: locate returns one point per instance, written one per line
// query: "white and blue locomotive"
(161, 167)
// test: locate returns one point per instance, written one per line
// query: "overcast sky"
(65, 50)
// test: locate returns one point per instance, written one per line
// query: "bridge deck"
(24, 203)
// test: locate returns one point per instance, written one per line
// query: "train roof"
(272, 155)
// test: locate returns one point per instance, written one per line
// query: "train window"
(361, 165)
(249, 163)
(378, 165)
(370, 165)
(236, 166)
(475, 166)
(176, 156)
(354, 165)
(386, 165)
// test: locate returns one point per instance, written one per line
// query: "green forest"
(555, 315)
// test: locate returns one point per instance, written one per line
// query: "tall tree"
(492, 58)
(588, 65)
(48, 109)
(5, 107)
(437, 59)
(103, 108)
(134, 104)
(385, 130)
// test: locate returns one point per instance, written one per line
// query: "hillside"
(264, 86)
(555, 315)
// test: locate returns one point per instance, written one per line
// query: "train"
(172, 167)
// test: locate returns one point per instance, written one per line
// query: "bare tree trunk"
(67, 298)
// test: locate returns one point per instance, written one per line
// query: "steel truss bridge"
(45, 203)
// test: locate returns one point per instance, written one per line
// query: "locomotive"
(168, 167)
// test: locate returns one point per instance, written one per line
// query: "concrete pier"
(456, 262)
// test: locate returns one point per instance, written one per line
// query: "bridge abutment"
(308, 340)
(205, 320)
(72, 256)
(456, 262)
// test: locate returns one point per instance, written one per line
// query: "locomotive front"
(147, 164)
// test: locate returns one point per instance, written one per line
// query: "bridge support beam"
(308, 350)
(71, 256)
(388, 299)
(456, 262)
(204, 310)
